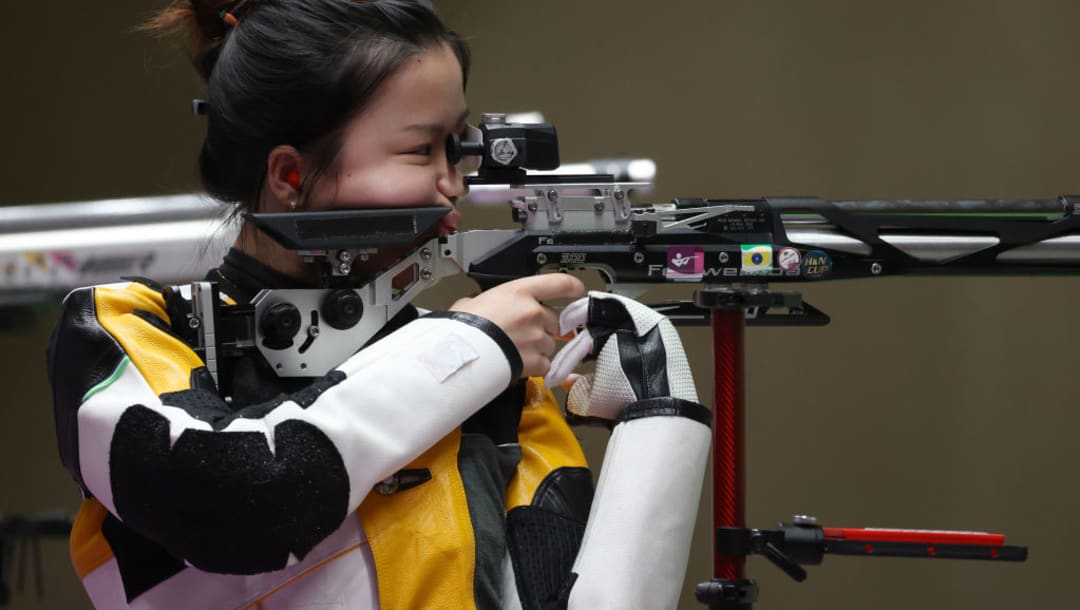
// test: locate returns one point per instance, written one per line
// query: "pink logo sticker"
(685, 262)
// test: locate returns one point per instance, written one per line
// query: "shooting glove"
(638, 356)
(637, 538)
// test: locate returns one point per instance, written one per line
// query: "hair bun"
(201, 24)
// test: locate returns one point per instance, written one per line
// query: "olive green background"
(927, 403)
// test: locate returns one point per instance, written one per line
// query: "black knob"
(342, 309)
(279, 323)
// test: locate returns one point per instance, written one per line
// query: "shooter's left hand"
(638, 356)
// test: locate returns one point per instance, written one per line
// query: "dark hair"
(293, 72)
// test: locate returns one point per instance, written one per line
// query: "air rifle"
(371, 263)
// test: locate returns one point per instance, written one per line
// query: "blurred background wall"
(944, 403)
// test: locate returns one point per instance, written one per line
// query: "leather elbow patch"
(567, 491)
(223, 501)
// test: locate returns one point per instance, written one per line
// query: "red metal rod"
(729, 502)
(913, 536)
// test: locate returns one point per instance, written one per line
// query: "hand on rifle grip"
(638, 355)
(517, 307)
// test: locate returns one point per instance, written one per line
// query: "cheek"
(392, 186)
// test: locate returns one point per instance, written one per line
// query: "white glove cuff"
(637, 540)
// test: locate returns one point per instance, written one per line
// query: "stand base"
(727, 594)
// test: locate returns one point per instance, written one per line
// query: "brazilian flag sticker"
(756, 259)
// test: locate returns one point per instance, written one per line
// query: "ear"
(284, 175)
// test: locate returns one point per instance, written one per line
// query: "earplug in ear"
(293, 179)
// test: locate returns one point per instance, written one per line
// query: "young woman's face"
(393, 152)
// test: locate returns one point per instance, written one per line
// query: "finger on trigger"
(551, 286)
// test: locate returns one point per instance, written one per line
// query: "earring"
(292, 178)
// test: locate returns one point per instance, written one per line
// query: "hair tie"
(228, 18)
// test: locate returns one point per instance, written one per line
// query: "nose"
(450, 183)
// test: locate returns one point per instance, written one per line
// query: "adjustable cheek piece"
(306, 332)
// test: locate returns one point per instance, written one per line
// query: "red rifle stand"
(803, 542)
(729, 589)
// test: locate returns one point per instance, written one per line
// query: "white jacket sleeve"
(143, 430)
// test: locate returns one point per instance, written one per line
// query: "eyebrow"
(435, 127)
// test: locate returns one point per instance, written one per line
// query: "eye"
(424, 150)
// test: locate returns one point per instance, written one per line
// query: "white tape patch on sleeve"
(448, 356)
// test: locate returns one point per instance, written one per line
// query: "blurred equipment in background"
(22, 535)
(50, 248)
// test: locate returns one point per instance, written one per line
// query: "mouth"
(449, 223)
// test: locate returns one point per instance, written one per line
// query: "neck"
(263, 248)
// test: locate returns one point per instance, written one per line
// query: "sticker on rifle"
(503, 150)
(685, 263)
(816, 265)
(788, 259)
(756, 259)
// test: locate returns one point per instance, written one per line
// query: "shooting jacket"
(416, 474)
